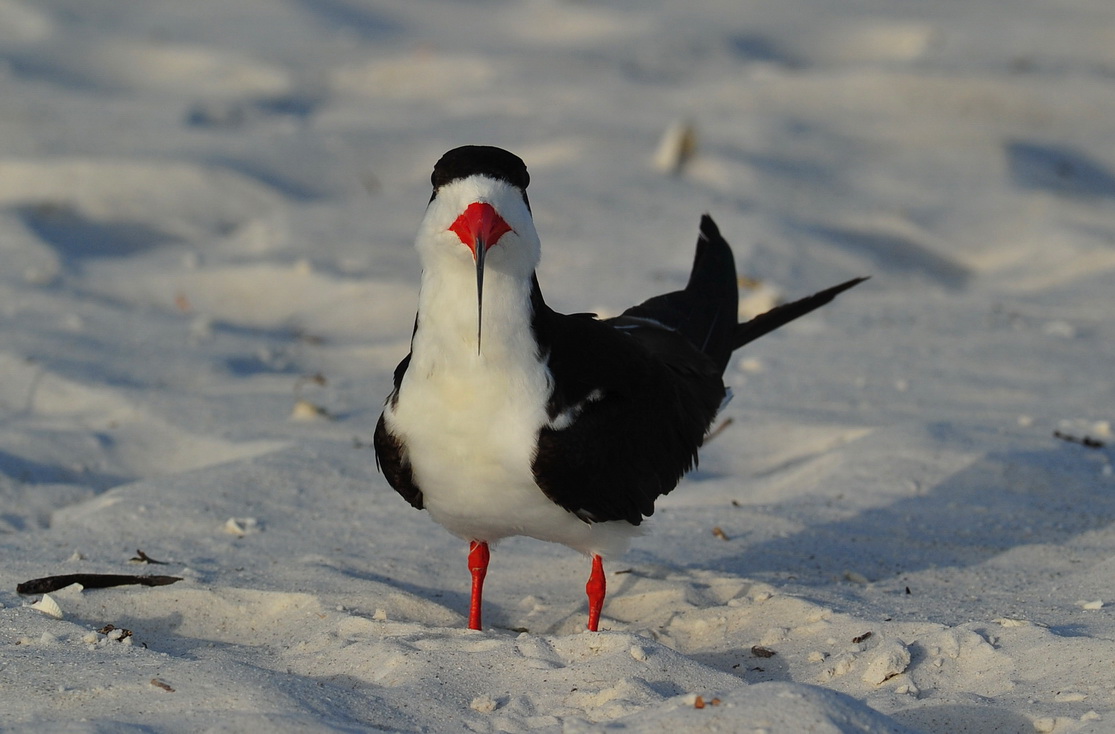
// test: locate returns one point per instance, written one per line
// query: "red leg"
(478, 557)
(595, 589)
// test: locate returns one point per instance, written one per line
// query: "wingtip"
(784, 314)
(848, 284)
(708, 228)
(828, 294)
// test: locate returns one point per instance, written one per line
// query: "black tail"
(706, 311)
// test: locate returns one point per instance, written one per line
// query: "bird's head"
(479, 219)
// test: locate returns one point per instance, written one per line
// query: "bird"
(508, 418)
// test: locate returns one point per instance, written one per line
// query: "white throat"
(446, 334)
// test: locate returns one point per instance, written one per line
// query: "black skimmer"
(508, 418)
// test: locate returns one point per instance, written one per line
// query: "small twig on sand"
(1086, 441)
(142, 557)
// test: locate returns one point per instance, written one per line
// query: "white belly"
(470, 436)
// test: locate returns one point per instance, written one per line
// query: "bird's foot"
(595, 588)
(478, 557)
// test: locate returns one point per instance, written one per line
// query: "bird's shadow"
(1003, 500)
(1058, 169)
(76, 236)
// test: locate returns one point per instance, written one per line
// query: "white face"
(516, 254)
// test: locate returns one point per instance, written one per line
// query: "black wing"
(391, 454)
(634, 396)
(705, 311)
(630, 406)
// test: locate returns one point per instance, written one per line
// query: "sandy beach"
(906, 522)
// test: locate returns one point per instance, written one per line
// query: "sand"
(206, 223)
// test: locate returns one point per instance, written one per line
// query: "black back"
(644, 386)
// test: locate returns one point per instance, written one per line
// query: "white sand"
(202, 204)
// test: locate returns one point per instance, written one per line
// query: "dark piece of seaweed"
(48, 584)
